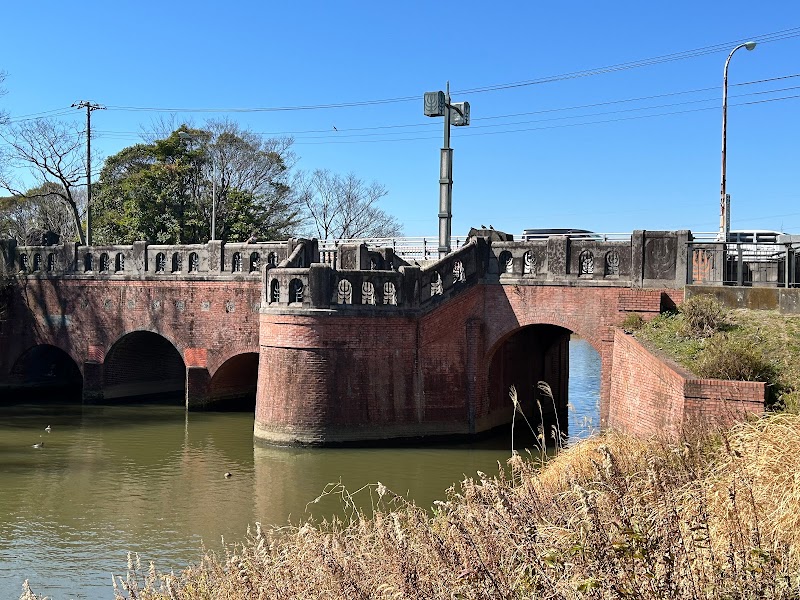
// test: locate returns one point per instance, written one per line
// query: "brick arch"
(218, 358)
(181, 348)
(143, 363)
(549, 317)
(66, 350)
(55, 362)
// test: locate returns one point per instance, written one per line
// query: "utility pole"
(89, 106)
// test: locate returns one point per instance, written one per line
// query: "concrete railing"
(373, 280)
(643, 259)
(213, 259)
(366, 279)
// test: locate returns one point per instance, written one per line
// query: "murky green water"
(150, 479)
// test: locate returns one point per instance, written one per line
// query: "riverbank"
(713, 341)
(714, 517)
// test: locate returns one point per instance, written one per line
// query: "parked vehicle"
(542, 234)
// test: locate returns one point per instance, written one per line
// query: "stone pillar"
(312, 251)
(637, 257)
(9, 250)
(557, 257)
(139, 255)
(198, 387)
(216, 257)
(410, 284)
(92, 382)
(682, 259)
(353, 257)
(319, 284)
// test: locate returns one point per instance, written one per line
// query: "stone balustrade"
(213, 259)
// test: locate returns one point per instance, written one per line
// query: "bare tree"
(3, 114)
(345, 207)
(41, 210)
(53, 153)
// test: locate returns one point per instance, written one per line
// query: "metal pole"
(213, 199)
(445, 184)
(88, 174)
(724, 217)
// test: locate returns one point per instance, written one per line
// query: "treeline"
(168, 188)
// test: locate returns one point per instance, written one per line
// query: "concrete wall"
(784, 300)
(652, 397)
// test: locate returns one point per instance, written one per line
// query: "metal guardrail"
(415, 248)
(744, 264)
(427, 247)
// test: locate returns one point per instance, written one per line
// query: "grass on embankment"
(612, 517)
(715, 342)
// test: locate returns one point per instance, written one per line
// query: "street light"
(437, 104)
(724, 199)
(186, 136)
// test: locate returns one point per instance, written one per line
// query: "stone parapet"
(142, 260)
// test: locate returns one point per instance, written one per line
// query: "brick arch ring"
(178, 347)
(217, 359)
(550, 317)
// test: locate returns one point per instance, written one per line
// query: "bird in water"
(39, 445)
(227, 475)
(47, 429)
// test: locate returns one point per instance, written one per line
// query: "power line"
(762, 39)
(466, 135)
(686, 54)
(392, 129)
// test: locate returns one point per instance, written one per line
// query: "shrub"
(633, 322)
(739, 359)
(703, 316)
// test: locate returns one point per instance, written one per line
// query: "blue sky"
(610, 165)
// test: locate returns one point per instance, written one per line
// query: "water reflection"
(150, 479)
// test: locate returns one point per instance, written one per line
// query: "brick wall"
(651, 396)
(327, 377)
(207, 322)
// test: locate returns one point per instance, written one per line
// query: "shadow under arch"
(142, 366)
(233, 384)
(44, 373)
(522, 358)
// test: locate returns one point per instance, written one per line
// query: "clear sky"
(636, 146)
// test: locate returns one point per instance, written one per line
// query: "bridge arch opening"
(45, 373)
(233, 384)
(555, 355)
(143, 366)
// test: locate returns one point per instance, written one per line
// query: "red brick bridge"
(361, 345)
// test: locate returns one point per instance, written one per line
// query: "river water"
(151, 479)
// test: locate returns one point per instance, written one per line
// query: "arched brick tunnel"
(46, 373)
(524, 358)
(233, 386)
(144, 366)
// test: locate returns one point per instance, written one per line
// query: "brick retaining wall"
(651, 396)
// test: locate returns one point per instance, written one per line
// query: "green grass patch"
(753, 345)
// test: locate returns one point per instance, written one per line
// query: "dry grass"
(612, 517)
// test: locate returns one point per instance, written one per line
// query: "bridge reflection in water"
(149, 479)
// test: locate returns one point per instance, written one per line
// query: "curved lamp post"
(724, 207)
(189, 137)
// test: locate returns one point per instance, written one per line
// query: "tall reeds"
(611, 517)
